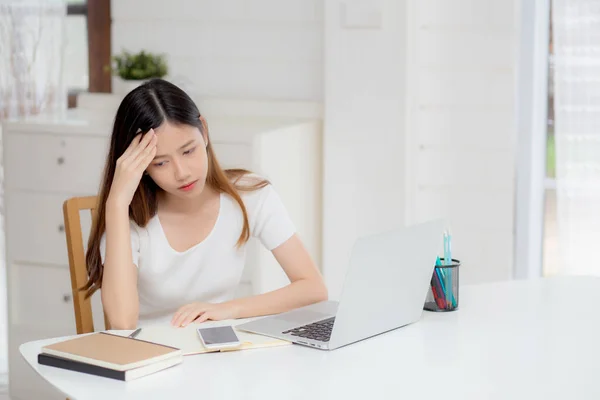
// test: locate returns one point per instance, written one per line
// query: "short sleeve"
(269, 219)
(135, 244)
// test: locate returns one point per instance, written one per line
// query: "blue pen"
(448, 273)
(447, 249)
(440, 273)
(451, 262)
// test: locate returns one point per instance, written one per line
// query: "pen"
(448, 273)
(447, 249)
(440, 273)
(438, 291)
(439, 279)
(135, 333)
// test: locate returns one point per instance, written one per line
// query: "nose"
(181, 170)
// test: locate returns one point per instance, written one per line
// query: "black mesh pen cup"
(442, 294)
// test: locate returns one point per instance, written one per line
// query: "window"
(88, 47)
(550, 244)
(550, 153)
(76, 71)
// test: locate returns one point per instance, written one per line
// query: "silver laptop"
(385, 288)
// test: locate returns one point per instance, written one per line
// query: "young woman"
(172, 226)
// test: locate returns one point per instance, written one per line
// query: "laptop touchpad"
(303, 316)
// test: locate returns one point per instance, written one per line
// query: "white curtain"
(576, 30)
(31, 57)
(31, 82)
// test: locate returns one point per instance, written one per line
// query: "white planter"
(122, 86)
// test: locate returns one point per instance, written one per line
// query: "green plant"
(142, 65)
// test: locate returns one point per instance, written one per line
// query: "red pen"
(438, 294)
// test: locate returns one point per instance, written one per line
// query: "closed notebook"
(100, 353)
(189, 342)
(128, 375)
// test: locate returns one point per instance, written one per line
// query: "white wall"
(418, 95)
(461, 119)
(364, 127)
(260, 49)
(419, 124)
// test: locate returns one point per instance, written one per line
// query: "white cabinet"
(49, 305)
(48, 161)
(54, 163)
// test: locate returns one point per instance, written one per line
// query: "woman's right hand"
(130, 168)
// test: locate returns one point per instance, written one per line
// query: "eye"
(190, 151)
(159, 164)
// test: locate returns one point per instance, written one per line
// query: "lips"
(188, 186)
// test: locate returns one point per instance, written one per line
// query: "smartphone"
(218, 337)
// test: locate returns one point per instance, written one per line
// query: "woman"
(172, 226)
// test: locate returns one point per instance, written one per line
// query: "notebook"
(189, 342)
(111, 356)
(128, 375)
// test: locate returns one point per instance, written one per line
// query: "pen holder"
(443, 288)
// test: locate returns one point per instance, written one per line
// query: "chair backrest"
(77, 264)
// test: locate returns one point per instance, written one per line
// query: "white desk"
(69, 151)
(510, 340)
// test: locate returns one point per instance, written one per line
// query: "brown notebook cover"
(116, 352)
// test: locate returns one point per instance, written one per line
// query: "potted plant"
(133, 69)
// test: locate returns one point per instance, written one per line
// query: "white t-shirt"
(211, 270)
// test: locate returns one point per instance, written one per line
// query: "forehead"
(170, 137)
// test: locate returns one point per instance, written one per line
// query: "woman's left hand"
(200, 312)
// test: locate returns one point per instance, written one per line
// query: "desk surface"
(519, 339)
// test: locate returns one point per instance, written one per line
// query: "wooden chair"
(77, 263)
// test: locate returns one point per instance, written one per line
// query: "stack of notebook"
(111, 356)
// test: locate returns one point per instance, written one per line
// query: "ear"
(204, 129)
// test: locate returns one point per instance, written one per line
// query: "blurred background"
(386, 112)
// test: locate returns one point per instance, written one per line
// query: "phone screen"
(218, 335)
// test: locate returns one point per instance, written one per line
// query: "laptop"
(385, 288)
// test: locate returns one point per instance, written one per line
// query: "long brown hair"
(142, 109)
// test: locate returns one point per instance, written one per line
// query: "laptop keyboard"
(320, 330)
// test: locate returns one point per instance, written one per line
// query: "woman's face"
(181, 163)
